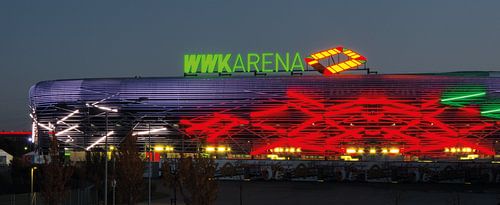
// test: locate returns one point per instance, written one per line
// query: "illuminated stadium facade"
(344, 117)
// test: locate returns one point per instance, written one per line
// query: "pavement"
(295, 193)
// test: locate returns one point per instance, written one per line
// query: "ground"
(292, 193)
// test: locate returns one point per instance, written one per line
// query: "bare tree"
(455, 199)
(19, 180)
(130, 182)
(55, 176)
(94, 167)
(193, 177)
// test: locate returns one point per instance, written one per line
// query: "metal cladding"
(350, 115)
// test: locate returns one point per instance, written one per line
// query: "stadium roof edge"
(451, 74)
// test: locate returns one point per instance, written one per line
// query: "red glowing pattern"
(329, 126)
(215, 128)
(155, 156)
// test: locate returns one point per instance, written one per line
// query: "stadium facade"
(344, 117)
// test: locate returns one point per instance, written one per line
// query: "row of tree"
(191, 176)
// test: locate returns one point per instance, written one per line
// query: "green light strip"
(465, 96)
(490, 111)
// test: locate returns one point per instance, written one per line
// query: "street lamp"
(106, 163)
(113, 183)
(149, 153)
(106, 111)
(150, 165)
(33, 201)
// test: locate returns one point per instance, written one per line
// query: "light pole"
(106, 111)
(150, 165)
(241, 190)
(174, 185)
(113, 182)
(33, 201)
(106, 162)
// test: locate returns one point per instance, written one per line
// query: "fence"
(86, 196)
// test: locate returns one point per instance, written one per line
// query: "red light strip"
(220, 125)
(331, 126)
(15, 133)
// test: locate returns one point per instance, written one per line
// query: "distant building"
(5, 158)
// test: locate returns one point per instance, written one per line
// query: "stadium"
(435, 127)
(292, 117)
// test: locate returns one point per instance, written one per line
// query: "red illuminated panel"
(354, 60)
(215, 128)
(15, 133)
(372, 120)
(155, 156)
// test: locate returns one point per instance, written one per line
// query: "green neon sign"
(266, 62)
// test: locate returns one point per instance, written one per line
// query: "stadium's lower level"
(345, 117)
(361, 171)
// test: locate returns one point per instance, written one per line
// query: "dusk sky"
(45, 40)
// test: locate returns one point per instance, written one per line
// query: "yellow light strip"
(348, 158)
(394, 151)
(336, 68)
(332, 52)
(350, 63)
(275, 157)
(470, 157)
(344, 66)
(312, 62)
(331, 70)
(356, 62)
(350, 150)
(458, 149)
(286, 150)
